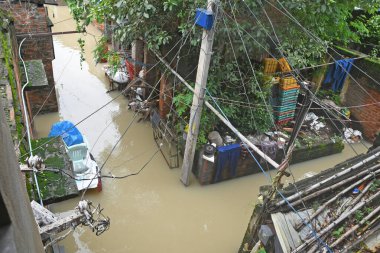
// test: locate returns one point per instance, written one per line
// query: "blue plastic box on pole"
(204, 18)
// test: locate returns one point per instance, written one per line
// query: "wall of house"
(32, 18)
(18, 229)
(44, 99)
(360, 90)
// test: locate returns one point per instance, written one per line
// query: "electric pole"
(198, 98)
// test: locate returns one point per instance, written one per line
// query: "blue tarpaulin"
(337, 74)
(228, 156)
(69, 133)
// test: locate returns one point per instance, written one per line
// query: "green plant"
(337, 233)
(368, 210)
(330, 94)
(182, 102)
(316, 205)
(81, 43)
(114, 60)
(101, 50)
(336, 139)
(261, 250)
(374, 185)
(359, 215)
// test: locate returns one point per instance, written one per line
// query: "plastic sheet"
(69, 133)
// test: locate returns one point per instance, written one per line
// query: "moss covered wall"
(7, 62)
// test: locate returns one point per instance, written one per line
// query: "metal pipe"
(30, 35)
(27, 118)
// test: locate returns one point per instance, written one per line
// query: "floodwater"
(151, 212)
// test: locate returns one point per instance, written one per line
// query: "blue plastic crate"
(285, 108)
(288, 93)
(287, 100)
(287, 103)
(204, 18)
(284, 116)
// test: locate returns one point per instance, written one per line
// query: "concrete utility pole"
(198, 98)
(222, 118)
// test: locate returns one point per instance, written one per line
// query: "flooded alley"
(153, 211)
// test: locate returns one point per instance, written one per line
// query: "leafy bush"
(337, 233)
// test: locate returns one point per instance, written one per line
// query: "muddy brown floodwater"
(151, 212)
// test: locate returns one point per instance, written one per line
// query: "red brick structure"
(32, 18)
(363, 92)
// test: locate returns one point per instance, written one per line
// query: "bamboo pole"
(333, 224)
(364, 237)
(317, 246)
(337, 185)
(349, 232)
(323, 207)
(335, 176)
(360, 196)
(317, 193)
(369, 225)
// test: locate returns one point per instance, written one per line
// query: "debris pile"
(336, 210)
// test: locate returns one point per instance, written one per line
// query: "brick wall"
(29, 18)
(364, 92)
(35, 99)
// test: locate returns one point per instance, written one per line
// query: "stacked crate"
(286, 100)
(270, 65)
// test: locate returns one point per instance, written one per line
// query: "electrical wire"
(46, 99)
(314, 37)
(342, 122)
(327, 113)
(289, 204)
(239, 71)
(292, 73)
(324, 107)
(27, 118)
(135, 173)
(113, 99)
(284, 57)
(134, 117)
(61, 21)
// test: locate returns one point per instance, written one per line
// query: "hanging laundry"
(337, 74)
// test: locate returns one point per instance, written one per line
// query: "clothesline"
(330, 63)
